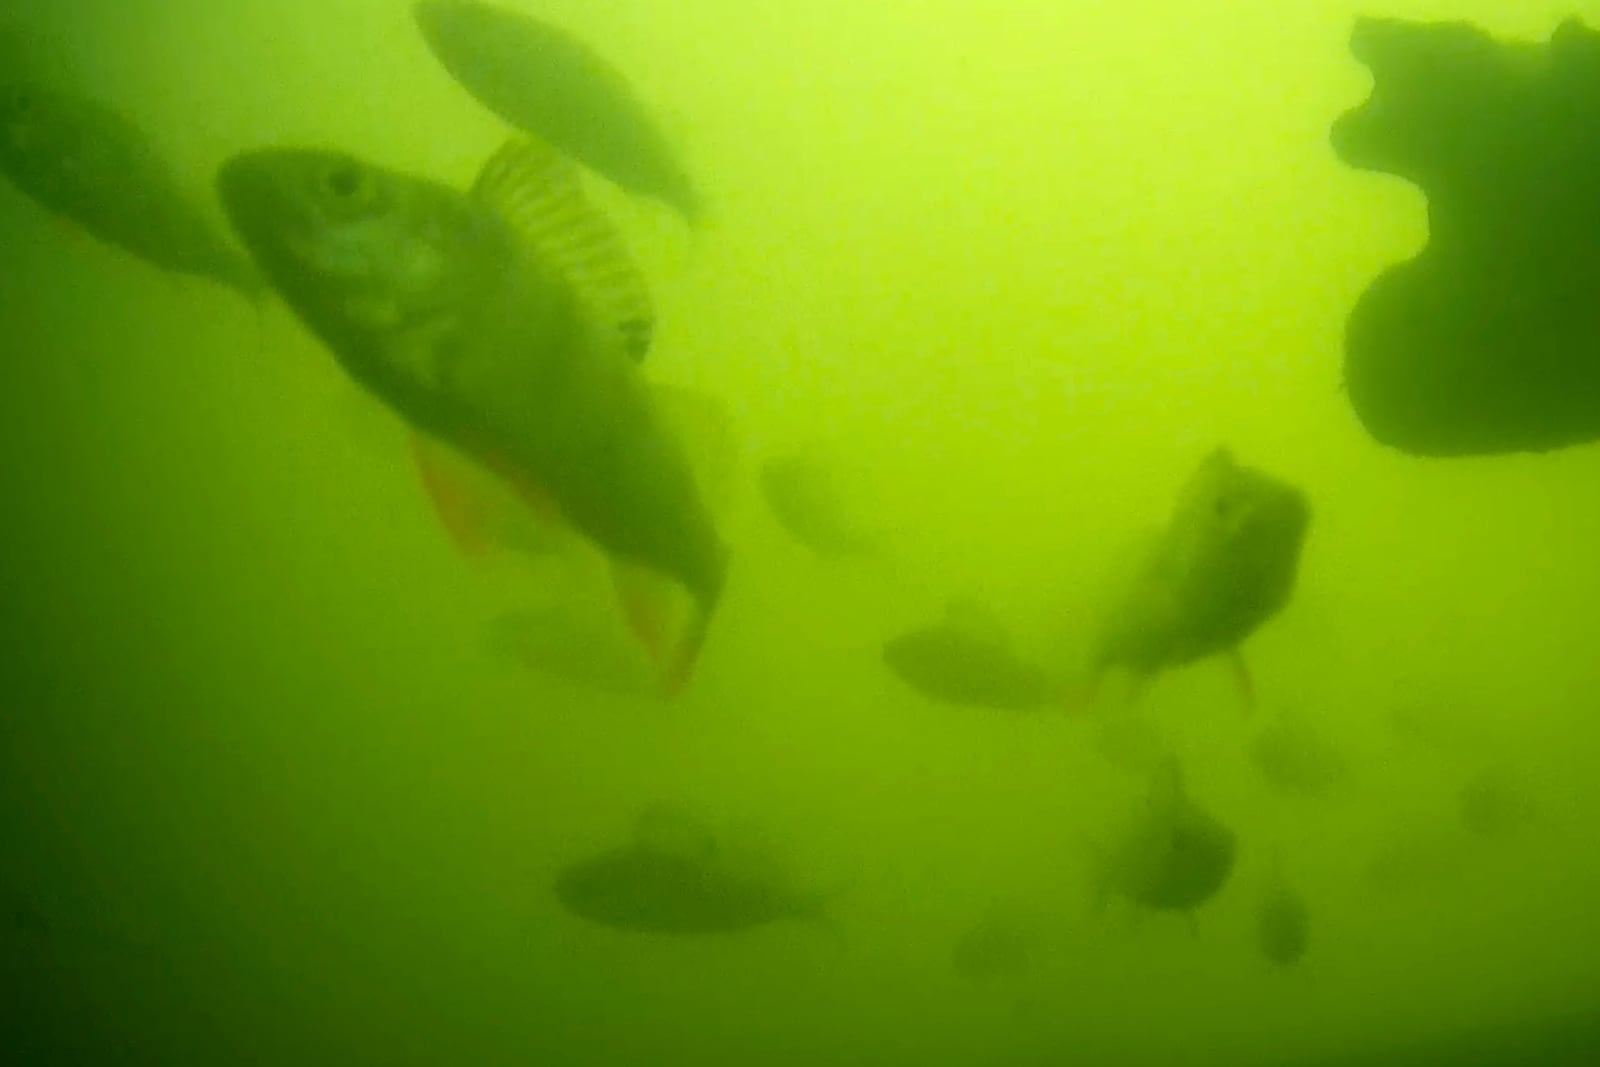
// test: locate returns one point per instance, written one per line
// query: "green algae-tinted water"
(271, 796)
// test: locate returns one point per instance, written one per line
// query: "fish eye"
(19, 102)
(345, 181)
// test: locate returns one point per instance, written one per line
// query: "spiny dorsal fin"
(538, 191)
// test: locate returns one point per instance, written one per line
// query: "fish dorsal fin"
(669, 830)
(539, 193)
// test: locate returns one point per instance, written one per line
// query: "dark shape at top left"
(94, 167)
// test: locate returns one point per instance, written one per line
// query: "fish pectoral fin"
(483, 510)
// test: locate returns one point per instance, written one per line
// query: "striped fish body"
(439, 304)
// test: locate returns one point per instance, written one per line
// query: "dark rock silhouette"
(1487, 342)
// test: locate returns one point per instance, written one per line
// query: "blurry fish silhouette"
(92, 166)
(452, 310)
(803, 494)
(676, 877)
(967, 660)
(1283, 922)
(548, 83)
(1295, 759)
(1225, 565)
(1175, 856)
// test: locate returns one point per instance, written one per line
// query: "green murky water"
(269, 794)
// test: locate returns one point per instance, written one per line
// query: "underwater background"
(268, 795)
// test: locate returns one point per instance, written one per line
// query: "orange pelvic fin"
(487, 506)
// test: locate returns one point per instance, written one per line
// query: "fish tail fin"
(650, 606)
(683, 663)
(644, 608)
(694, 639)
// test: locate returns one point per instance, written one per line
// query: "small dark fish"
(803, 495)
(548, 83)
(1225, 565)
(455, 311)
(673, 879)
(1295, 759)
(1283, 922)
(956, 662)
(1175, 856)
(92, 166)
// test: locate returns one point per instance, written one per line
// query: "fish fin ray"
(540, 194)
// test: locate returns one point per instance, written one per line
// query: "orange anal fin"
(453, 504)
(1242, 679)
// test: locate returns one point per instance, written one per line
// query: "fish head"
(1235, 517)
(368, 257)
